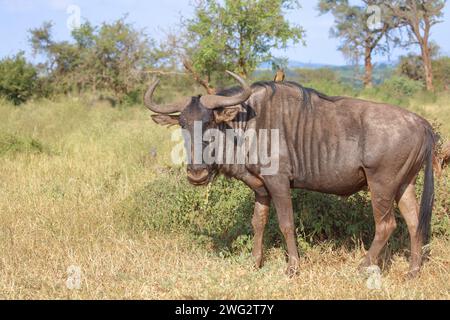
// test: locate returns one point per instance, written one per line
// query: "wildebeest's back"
(319, 143)
(327, 144)
(390, 134)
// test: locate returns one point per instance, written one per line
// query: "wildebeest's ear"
(166, 120)
(226, 114)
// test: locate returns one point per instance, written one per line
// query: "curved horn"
(163, 109)
(215, 101)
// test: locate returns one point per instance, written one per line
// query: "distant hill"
(293, 64)
(298, 64)
(347, 73)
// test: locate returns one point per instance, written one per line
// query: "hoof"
(258, 262)
(413, 273)
(292, 271)
(363, 268)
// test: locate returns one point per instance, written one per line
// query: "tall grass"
(93, 186)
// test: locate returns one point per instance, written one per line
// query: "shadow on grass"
(220, 216)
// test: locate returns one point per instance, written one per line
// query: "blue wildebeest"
(333, 145)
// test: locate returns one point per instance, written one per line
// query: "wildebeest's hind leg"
(259, 221)
(382, 204)
(280, 190)
(409, 207)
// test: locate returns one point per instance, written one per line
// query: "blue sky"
(18, 16)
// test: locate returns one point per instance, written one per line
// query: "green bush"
(397, 90)
(10, 144)
(402, 86)
(221, 214)
(441, 69)
(332, 88)
(411, 66)
(311, 75)
(17, 79)
(324, 80)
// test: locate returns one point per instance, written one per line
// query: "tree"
(360, 37)
(17, 79)
(418, 17)
(236, 35)
(112, 57)
(411, 66)
(62, 57)
(441, 73)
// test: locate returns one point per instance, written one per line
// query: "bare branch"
(204, 83)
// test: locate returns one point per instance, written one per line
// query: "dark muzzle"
(198, 177)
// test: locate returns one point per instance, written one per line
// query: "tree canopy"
(238, 35)
(17, 78)
(361, 29)
(418, 18)
(115, 59)
(112, 57)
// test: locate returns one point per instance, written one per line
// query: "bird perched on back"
(280, 76)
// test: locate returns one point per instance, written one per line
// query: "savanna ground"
(94, 187)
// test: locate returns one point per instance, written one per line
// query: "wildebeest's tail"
(426, 205)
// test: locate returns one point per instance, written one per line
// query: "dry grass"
(57, 210)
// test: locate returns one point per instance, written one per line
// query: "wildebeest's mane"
(306, 92)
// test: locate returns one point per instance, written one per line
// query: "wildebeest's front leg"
(260, 215)
(280, 191)
(259, 221)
